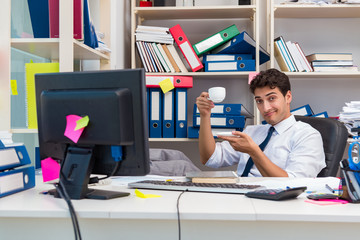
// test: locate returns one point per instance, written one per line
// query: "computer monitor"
(115, 102)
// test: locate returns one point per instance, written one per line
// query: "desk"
(30, 215)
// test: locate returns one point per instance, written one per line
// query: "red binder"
(152, 81)
(54, 19)
(186, 48)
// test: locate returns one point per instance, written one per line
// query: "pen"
(329, 188)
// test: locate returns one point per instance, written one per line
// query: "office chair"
(334, 135)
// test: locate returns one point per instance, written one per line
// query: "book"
(304, 60)
(337, 63)
(336, 69)
(213, 177)
(30, 70)
(170, 57)
(329, 56)
(177, 58)
(280, 58)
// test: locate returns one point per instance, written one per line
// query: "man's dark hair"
(272, 78)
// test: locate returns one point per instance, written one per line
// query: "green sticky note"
(81, 123)
(166, 85)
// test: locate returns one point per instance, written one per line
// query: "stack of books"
(13, 179)
(225, 117)
(167, 111)
(329, 62)
(157, 51)
(290, 56)
(229, 50)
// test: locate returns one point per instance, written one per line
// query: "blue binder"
(227, 109)
(242, 43)
(39, 15)
(13, 156)
(230, 66)
(322, 114)
(90, 37)
(148, 108)
(16, 180)
(181, 112)
(168, 104)
(222, 121)
(303, 111)
(226, 57)
(155, 113)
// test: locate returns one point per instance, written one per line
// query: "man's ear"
(288, 97)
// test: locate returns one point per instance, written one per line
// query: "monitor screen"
(115, 140)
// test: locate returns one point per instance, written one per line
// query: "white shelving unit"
(244, 16)
(318, 28)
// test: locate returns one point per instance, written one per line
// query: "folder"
(177, 58)
(321, 115)
(165, 56)
(142, 57)
(227, 109)
(215, 40)
(16, 180)
(54, 19)
(224, 121)
(242, 43)
(168, 130)
(13, 155)
(171, 58)
(230, 66)
(193, 132)
(178, 81)
(160, 58)
(186, 48)
(180, 112)
(155, 113)
(303, 111)
(90, 38)
(148, 108)
(30, 70)
(39, 15)
(226, 57)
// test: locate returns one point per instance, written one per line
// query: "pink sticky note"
(50, 169)
(323, 203)
(70, 128)
(251, 76)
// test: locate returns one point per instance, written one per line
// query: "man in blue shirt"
(294, 148)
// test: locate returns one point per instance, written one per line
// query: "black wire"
(116, 168)
(64, 195)
(178, 212)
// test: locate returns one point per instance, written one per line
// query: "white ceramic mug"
(217, 94)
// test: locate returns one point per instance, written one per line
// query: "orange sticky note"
(70, 131)
(252, 75)
(50, 169)
(166, 85)
(81, 123)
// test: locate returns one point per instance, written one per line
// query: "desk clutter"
(15, 173)
(168, 50)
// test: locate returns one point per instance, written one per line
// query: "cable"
(64, 195)
(178, 212)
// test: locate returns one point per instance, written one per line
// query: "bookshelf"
(318, 28)
(207, 21)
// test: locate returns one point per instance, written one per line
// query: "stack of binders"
(225, 117)
(167, 112)
(12, 178)
(229, 50)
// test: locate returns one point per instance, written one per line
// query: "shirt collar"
(285, 124)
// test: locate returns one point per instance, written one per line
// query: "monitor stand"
(75, 174)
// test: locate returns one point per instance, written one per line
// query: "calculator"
(276, 194)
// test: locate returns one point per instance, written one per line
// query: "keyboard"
(195, 187)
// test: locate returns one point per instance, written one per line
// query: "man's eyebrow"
(270, 93)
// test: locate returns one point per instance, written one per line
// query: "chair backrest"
(334, 135)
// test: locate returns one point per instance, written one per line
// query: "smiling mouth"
(268, 114)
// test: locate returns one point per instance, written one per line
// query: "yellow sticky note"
(13, 85)
(166, 85)
(81, 123)
(142, 195)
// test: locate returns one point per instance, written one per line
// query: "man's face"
(273, 106)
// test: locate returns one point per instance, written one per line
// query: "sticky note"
(70, 131)
(325, 203)
(50, 169)
(252, 75)
(142, 195)
(166, 85)
(13, 85)
(81, 123)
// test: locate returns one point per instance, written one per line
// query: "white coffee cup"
(217, 94)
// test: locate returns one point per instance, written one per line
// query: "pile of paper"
(350, 116)
(153, 34)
